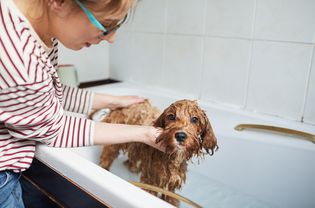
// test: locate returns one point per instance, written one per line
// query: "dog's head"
(186, 130)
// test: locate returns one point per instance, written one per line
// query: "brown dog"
(187, 132)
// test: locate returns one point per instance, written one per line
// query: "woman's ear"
(59, 6)
(209, 141)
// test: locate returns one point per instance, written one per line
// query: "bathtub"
(251, 168)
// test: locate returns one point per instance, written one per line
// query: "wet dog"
(186, 133)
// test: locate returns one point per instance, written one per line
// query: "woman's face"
(75, 31)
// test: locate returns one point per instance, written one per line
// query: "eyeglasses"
(115, 25)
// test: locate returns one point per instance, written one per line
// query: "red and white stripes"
(32, 99)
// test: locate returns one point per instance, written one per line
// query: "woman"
(32, 99)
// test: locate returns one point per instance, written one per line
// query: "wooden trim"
(97, 83)
(33, 194)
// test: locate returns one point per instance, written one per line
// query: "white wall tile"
(167, 43)
(288, 20)
(230, 18)
(278, 77)
(183, 60)
(225, 70)
(138, 57)
(309, 114)
(147, 58)
(121, 56)
(94, 65)
(186, 16)
(128, 24)
(150, 16)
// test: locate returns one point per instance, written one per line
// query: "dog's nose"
(180, 136)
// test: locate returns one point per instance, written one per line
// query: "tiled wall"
(91, 63)
(251, 54)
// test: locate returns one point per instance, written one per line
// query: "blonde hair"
(110, 8)
(113, 9)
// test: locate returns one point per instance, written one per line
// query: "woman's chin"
(77, 48)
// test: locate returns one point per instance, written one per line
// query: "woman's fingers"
(127, 100)
(156, 132)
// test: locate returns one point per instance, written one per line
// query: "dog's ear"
(160, 121)
(208, 139)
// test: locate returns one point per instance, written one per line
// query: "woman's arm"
(106, 133)
(77, 100)
(82, 101)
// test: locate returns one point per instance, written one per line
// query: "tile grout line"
(250, 60)
(307, 84)
(229, 37)
(164, 36)
(203, 48)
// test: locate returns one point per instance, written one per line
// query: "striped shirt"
(32, 99)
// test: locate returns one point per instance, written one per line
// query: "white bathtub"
(251, 169)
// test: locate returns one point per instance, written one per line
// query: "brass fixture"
(276, 129)
(168, 193)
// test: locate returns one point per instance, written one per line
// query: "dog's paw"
(132, 166)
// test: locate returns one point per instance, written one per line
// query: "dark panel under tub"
(43, 187)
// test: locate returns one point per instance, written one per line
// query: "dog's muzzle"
(180, 136)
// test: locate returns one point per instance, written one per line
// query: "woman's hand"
(125, 101)
(113, 102)
(153, 134)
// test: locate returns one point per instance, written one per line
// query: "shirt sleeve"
(38, 115)
(31, 97)
(77, 100)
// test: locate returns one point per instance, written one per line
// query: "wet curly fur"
(186, 133)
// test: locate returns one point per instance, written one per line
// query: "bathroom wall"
(256, 55)
(91, 63)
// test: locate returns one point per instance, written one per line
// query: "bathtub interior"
(199, 187)
(250, 169)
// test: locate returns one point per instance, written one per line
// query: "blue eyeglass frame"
(96, 22)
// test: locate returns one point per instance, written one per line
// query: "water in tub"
(198, 187)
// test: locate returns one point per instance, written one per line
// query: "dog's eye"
(194, 119)
(171, 117)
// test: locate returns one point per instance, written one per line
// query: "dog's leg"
(136, 152)
(145, 181)
(132, 165)
(147, 178)
(170, 178)
(175, 181)
(109, 154)
(171, 200)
